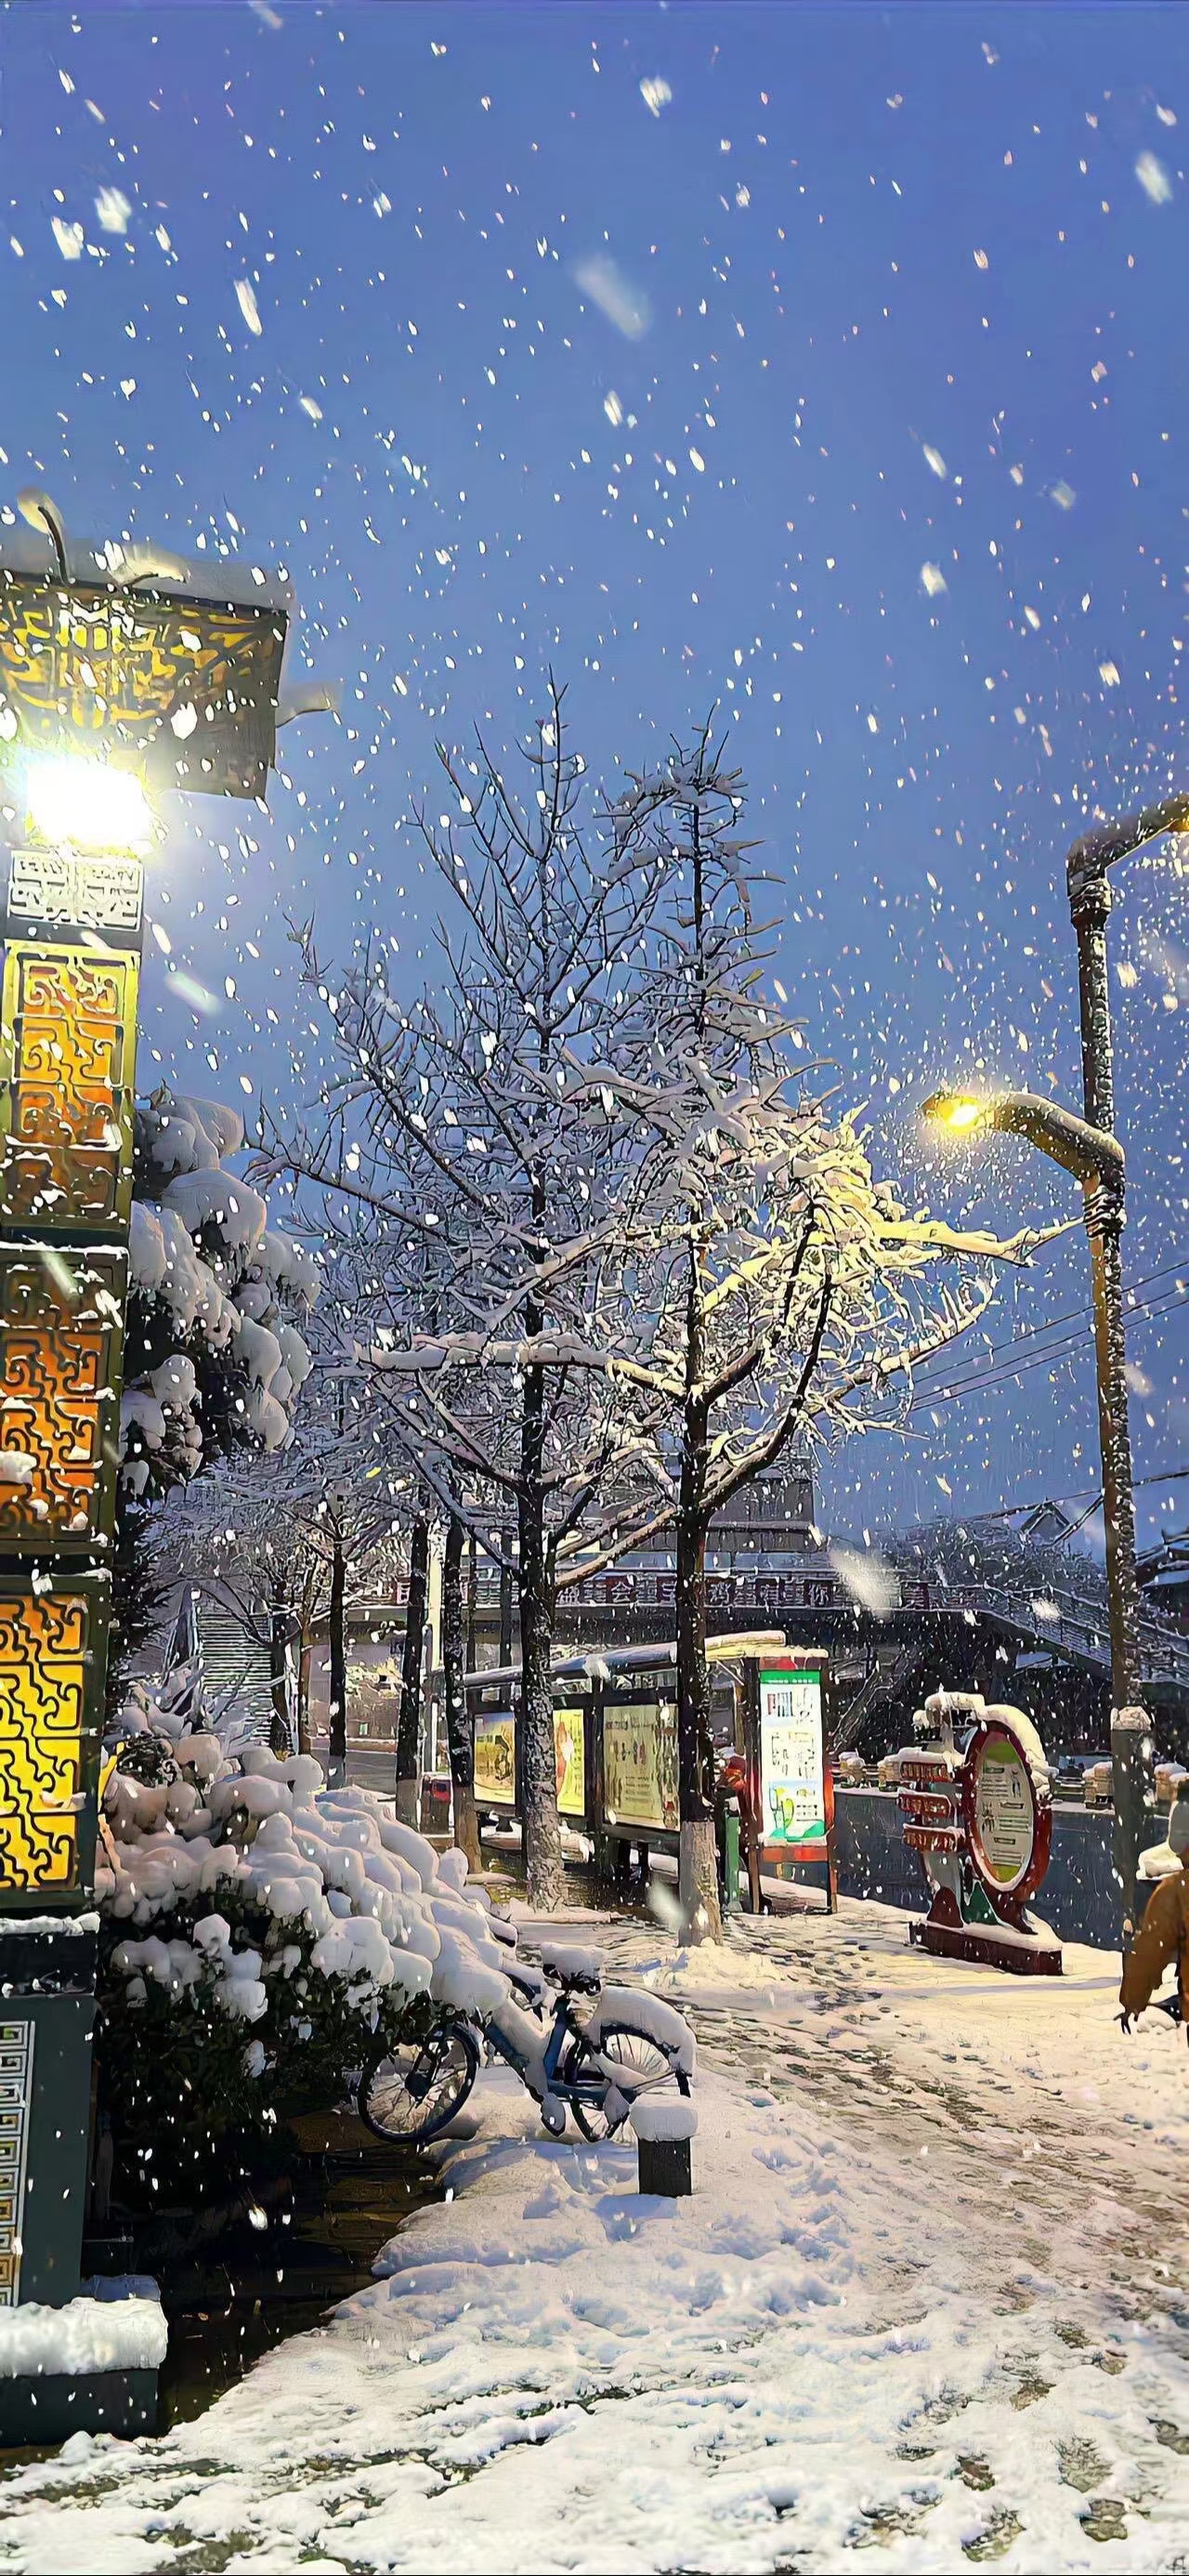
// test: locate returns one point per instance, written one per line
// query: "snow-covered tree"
(485, 1191)
(214, 1356)
(758, 1284)
(285, 1542)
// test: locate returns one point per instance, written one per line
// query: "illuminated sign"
(792, 1768)
(184, 692)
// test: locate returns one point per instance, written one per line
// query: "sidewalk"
(927, 2307)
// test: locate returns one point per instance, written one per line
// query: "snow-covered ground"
(927, 2306)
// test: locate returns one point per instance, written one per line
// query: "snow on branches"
(213, 1352)
(614, 1251)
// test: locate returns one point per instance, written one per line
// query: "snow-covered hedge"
(259, 1933)
(213, 1353)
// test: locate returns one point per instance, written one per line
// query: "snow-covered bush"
(214, 1357)
(259, 1935)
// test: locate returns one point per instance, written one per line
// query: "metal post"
(1131, 1741)
(1090, 906)
(505, 1601)
(1131, 1746)
(472, 1598)
(1093, 1154)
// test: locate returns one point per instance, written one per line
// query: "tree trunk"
(459, 1742)
(280, 1623)
(697, 1867)
(336, 1768)
(408, 1733)
(697, 1881)
(303, 1692)
(536, 1758)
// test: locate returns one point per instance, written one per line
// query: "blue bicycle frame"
(593, 2088)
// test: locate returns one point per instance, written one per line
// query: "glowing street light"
(954, 1110)
(1096, 1160)
(82, 804)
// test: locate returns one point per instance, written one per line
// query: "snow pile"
(729, 1966)
(569, 1964)
(646, 2012)
(212, 1274)
(1159, 1860)
(87, 2334)
(664, 2119)
(832, 2356)
(216, 1854)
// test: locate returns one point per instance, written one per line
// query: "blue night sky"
(824, 364)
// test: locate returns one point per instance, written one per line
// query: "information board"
(640, 1764)
(1004, 1811)
(569, 1745)
(495, 1758)
(792, 1771)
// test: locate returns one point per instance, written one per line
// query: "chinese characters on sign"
(640, 1764)
(792, 1778)
(1004, 1812)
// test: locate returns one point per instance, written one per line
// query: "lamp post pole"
(1095, 1159)
(1088, 886)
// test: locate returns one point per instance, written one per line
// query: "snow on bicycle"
(631, 2043)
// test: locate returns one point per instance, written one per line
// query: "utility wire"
(998, 1367)
(1080, 1314)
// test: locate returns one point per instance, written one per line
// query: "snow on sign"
(792, 1771)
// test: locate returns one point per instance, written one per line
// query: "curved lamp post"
(1096, 1160)
(1086, 865)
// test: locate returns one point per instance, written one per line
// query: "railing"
(640, 1589)
(1079, 1627)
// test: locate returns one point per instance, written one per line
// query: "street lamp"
(1095, 1159)
(120, 674)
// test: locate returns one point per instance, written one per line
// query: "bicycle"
(632, 2044)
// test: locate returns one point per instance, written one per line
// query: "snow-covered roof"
(225, 580)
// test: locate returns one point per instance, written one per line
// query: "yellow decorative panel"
(46, 1663)
(68, 1034)
(184, 692)
(61, 1316)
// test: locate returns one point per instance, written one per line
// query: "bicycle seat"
(575, 1971)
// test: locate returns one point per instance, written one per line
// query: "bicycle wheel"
(642, 2061)
(408, 2095)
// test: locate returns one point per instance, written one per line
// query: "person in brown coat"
(1164, 1932)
